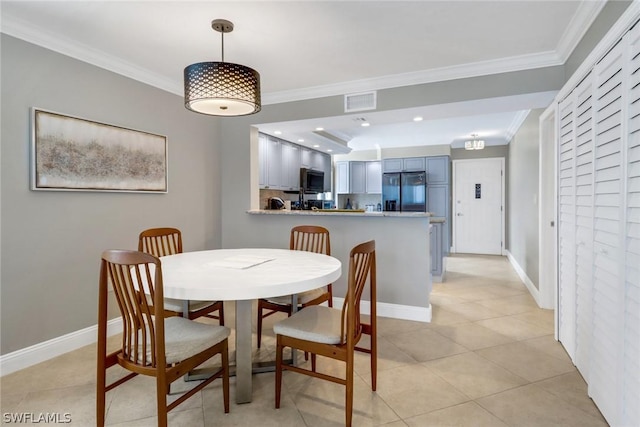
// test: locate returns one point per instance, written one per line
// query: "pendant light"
(221, 88)
(474, 144)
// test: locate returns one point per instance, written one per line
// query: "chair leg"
(259, 326)
(161, 400)
(100, 394)
(313, 362)
(221, 314)
(349, 396)
(278, 371)
(225, 375)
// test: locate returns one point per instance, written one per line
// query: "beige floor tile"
(463, 415)
(547, 344)
(188, 418)
(472, 336)
(473, 375)
(425, 345)
(531, 406)
(473, 311)
(572, 389)
(514, 328)
(526, 362)
(515, 304)
(442, 316)
(387, 326)
(389, 357)
(415, 390)
(539, 317)
(76, 401)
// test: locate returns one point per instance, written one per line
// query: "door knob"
(459, 214)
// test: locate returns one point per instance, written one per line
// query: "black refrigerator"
(404, 192)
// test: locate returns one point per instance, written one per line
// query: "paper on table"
(240, 262)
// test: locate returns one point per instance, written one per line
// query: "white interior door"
(478, 200)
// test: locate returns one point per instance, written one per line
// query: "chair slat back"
(310, 238)
(362, 265)
(133, 274)
(160, 241)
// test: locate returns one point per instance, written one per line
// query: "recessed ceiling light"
(319, 129)
(329, 150)
(315, 146)
(365, 124)
(417, 119)
(277, 132)
(301, 140)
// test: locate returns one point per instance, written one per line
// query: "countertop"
(341, 212)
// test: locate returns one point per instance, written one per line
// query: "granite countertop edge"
(349, 214)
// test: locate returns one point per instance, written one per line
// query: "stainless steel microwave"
(311, 181)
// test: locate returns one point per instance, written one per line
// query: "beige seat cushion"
(315, 323)
(194, 305)
(185, 338)
(303, 298)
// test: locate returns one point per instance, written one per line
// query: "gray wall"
(51, 241)
(522, 200)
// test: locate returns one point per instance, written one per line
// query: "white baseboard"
(535, 293)
(43, 351)
(395, 311)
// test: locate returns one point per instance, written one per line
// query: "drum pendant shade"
(221, 88)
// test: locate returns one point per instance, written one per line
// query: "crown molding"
(483, 68)
(515, 124)
(25, 31)
(587, 12)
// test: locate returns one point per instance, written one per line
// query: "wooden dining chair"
(164, 348)
(310, 238)
(333, 333)
(164, 241)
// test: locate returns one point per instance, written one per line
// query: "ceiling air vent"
(360, 102)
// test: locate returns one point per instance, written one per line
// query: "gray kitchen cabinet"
(326, 168)
(357, 177)
(438, 204)
(290, 166)
(342, 177)
(407, 164)
(373, 177)
(414, 164)
(438, 170)
(270, 162)
(391, 165)
(437, 263)
(306, 160)
(262, 160)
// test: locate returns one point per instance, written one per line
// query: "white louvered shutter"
(630, 411)
(566, 225)
(584, 221)
(607, 299)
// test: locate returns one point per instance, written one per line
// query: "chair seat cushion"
(315, 323)
(185, 338)
(303, 298)
(194, 305)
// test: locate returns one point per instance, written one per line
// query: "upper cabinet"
(438, 170)
(280, 162)
(374, 177)
(290, 166)
(358, 177)
(409, 164)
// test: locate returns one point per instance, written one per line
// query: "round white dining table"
(242, 275)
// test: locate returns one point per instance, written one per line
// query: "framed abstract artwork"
(74, 154)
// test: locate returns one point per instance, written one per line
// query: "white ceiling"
(307, 49)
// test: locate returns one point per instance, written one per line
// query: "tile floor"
(488, 358)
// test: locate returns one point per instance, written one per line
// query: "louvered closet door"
(584, 221)
(566, 226)
(607, 337)
(631, 361)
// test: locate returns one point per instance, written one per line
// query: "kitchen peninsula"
(402, 251)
